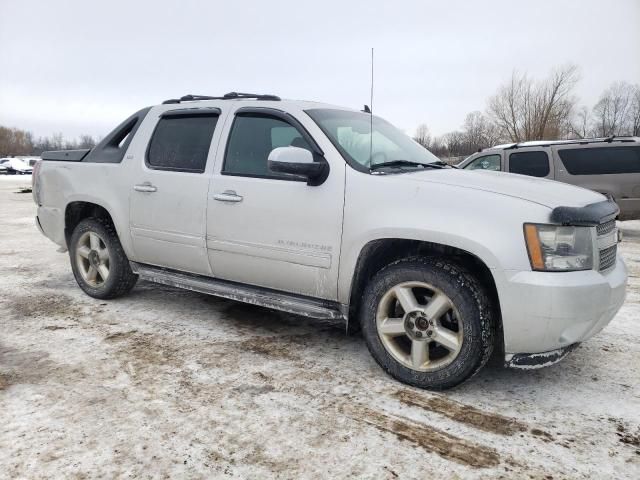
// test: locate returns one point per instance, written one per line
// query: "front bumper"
(547, 311)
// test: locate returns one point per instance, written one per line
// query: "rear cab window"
(532, 163)
(601, 160)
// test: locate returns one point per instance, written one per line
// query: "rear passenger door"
(534, 163)
(605, 168)
(169, 186)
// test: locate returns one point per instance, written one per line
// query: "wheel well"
(380, 253)
(78, 211)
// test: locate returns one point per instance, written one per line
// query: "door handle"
(228, 196)
(145, 187)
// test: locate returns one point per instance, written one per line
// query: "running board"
(286, 302)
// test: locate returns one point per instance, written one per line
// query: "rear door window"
(486, 162)
(601, 161)
(181, 143)
(534, 164)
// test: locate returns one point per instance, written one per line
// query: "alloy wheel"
(419, 326)
(92, 258)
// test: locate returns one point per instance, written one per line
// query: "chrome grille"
(608, 246)
(608, 257)
(606, 227)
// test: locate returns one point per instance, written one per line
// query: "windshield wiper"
(405, 163)
(444, 164)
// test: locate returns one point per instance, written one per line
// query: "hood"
(539, 190)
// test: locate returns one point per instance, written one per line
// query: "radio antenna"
(371, 115)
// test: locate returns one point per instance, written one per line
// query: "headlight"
(554, 248)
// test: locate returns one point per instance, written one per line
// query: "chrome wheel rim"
(92, 259)
(419, 326)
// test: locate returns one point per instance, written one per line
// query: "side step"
(264, 297)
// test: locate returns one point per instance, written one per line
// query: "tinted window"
(487, 162)
(181, 143)
(251, 140)
(534, 164)
(599, 161)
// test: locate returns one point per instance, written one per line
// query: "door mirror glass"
(296, 161)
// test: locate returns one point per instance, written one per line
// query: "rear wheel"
(98, 261)
(427, 322)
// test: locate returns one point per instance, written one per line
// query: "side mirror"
(299, 162)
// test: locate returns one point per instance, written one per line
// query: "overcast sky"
(82, 66)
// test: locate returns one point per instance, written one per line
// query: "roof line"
(578, 141)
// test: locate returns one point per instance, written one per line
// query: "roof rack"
(577, 141)
(226, 96)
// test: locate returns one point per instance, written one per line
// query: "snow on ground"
(171, 383)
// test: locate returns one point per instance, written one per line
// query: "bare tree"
(474, 130)
(634, 113)
(439, 148)
(455, 142)
(613, 112)
(423, 136)
(581, 126)
(479, 132)
(524, 109)
(86, 141)
(15, 142)
(57, 141)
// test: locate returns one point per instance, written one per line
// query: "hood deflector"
(587, 216)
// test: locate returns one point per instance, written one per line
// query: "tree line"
(14, 141)
(527, 109)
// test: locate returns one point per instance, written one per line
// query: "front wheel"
(427, 322)
(98, 261)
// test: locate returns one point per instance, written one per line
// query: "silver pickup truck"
(333, 213)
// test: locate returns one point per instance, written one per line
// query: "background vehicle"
(3, 170)
(31, 161)
(606, 165)
(16, 166)
(332, 213)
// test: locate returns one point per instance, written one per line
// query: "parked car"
(607, 165)
(3, 170)
(333, 213)
(31, 161)
(16, 166)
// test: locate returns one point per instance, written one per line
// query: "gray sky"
(82, 66)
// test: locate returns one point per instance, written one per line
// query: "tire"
(396, 336)
(88, 258)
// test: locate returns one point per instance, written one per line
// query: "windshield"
(351, 133)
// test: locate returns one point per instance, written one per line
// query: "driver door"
(268, 229)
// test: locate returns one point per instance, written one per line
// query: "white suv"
(329, 212)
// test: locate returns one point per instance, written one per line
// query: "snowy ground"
(170, 383)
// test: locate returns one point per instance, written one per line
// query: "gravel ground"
(171, 383)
